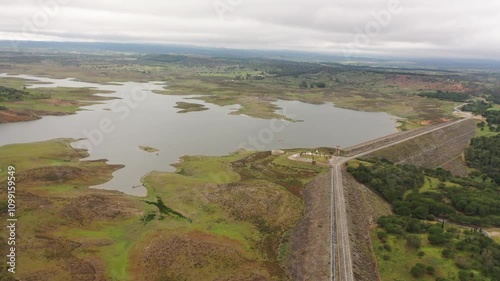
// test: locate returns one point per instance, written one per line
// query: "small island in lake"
(190, 107)
(149, 149)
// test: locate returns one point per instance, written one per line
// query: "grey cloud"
(451, 28)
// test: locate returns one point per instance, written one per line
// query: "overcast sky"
(425, 28)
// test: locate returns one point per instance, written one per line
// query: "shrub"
(463, 262)
(465, 276)
(447, 253)
(421, 212)
(320, 85)
(418, 270)
(430, 270)
(439, 238)
(382, 236)
(414, 241)
(388, 247)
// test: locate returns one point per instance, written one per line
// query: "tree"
(321, 85)
(430, 270)
(303, 85)
(465, 276)
(447, 253)
(414, 241)
(438, 238)
(382, 235)
(421, 212)
(400, 207)
(418, 270)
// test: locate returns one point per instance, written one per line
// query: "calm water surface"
(115, 129)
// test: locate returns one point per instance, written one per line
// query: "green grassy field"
(46, 101)
(229, 213)
(396, 264)
(485, 132)
(495, 107)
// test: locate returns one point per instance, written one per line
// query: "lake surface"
(115, 129)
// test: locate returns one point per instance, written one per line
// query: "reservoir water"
(115, 129)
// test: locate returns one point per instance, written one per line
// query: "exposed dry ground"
(309, 243)
(435, 149)
(9, 116)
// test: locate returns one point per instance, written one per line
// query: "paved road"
(341, 256)
(342, 247)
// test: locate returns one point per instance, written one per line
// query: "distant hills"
(443, 63)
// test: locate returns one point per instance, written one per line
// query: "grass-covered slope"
(18, 103)
(215, 218)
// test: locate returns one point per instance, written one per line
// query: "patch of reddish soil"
(59, 102)
(309, 241)
(427, 84)
(9, 116)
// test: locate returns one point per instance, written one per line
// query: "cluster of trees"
(484, 155)
(449, 96)
(477, 107)
(493, 116)
(165, 58)
(482, 108)
(494, 97)
(419, 270)
(11, 94)
(294, 69)
(469, 200)
(391, 181)
(305, 85)
(469, 249)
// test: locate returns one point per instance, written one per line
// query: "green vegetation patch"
(432, 253)
(230, 213)
(148, 149)
(28, 104)
(419, 242)
(190, 107)
(484, 155)
(449, 96)
(429, 194)
(252, 198)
